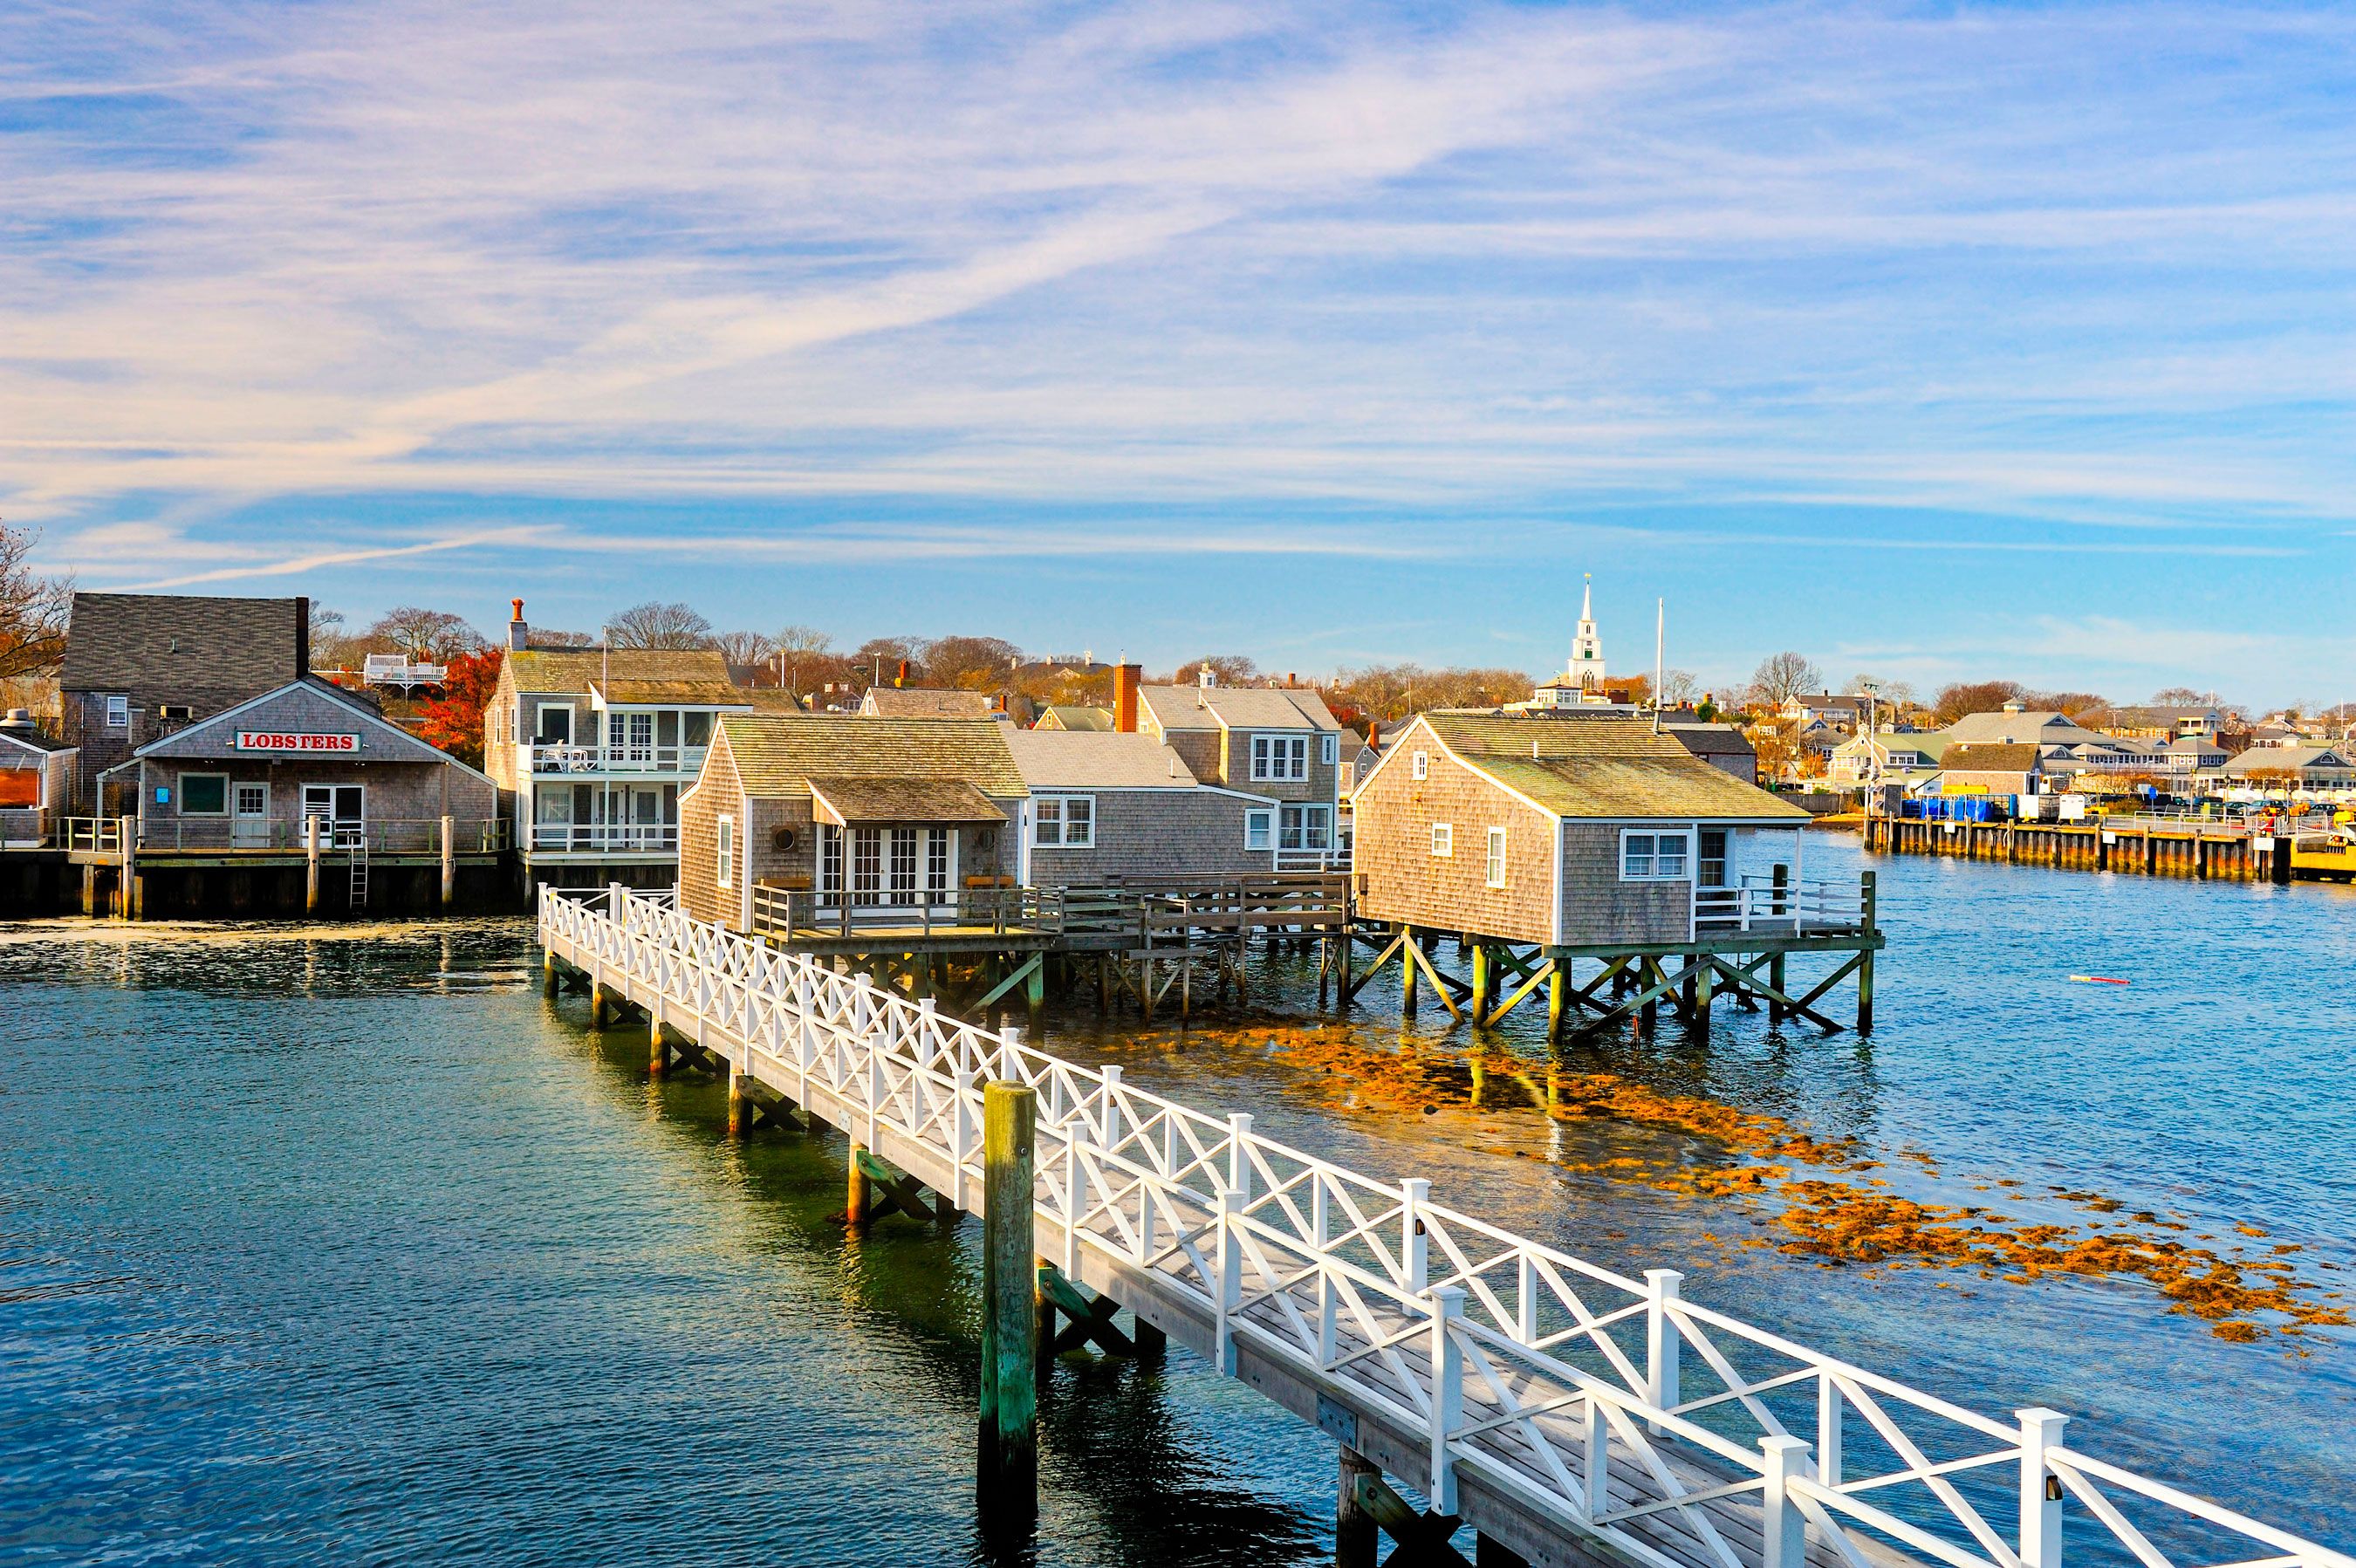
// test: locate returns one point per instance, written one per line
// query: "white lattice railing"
(1608, 1404)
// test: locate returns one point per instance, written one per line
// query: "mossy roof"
(779, 754)
(1611, 768)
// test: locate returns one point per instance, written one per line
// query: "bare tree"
(981, 663)
(878, 660)
(1974, 697)
(745, 647)
(1227, 669)
(427, 637)
(1783, 676)
(806, 658)
(658, 624)
(2178, 697)
(33, 610)
(1678, 686)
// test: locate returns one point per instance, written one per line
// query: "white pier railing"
(1604, 1407)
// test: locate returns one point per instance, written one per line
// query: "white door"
(344, 807)
(248, 821)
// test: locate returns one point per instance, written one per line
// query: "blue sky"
(1937, 341)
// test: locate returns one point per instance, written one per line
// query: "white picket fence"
(1607, 1406)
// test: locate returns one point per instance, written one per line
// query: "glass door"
(249, 822)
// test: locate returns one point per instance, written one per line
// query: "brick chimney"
(1125, 681)
(902, 678)
(519, 634)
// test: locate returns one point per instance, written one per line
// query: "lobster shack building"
(1540, 840)
(301, 798)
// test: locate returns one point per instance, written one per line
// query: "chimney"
(1125, 679)
(902, 678)
(1375, 733)
(519, 634)
(302, 637)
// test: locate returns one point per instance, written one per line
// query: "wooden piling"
(735, 1102)
(1007, 1460)
(657, 1054)
(548, 977)
(858, 1190)
(1408, 967)
(128, 832)
(449, 863)
(310, 864)
(1557, 982)
(1357, 1540)
(1483, 966)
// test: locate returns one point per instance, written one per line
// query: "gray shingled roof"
(1093, 759)
(1238, 707)
(119, 641)
(575, 669)
(926, 703)
(854, 801)
(779, 754)
(1602, 767)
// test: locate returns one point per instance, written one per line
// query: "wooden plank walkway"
(1569, 1412)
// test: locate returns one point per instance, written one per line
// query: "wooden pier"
(2187, 846)
(132, 872)
(1567, 1412)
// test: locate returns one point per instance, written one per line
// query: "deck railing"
(1794, 909)
(1604, 1402)
(558, 757)
(635, 837)
(393, 669)
(787, 912)
(379, 835)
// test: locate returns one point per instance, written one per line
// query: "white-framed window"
(1280, 757)
(1259, 829)
(204, 794)
(1329, 750)
(1652, 856)
(118, 713)
(1443, 838)
(1495, 869)
(1065, 822)
(1305, 827)
(1422, 766)
(727, 845)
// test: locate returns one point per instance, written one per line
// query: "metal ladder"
(359, 863)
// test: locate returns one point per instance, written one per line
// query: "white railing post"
(960, 1137)
(1109, 1132)
(2041, 1488)
(1598, 1470)
(1230, 1283)
(1784, 1529)
(1077, 1132)
(1447, 1303)
(1525, 1298)
(1415, 1246)
(1661, 1288)
(1829, 1431)
(1328, 1299)
(614, 895)
(1239, 1158)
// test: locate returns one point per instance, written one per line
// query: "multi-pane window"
(1423, 769)
(1330, 749)
(830, 858)
(1443, 838)
(118, 713)
(1065, 822)
(1280, 757)
(727, 842)
(903, 860)
(936, 860)
(866, 865)
(1653, 857)
(1305, 827)
(1259, 829)
(1496, 869)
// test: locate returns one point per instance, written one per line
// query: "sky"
(1933, 342)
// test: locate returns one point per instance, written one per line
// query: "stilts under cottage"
(1544, 841)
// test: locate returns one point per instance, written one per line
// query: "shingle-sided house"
(1279, 741)
(1722, 745)
(1996, 769)
(1110, 809)
(2274, 768)
(894, 813)
(1556, 830)
(36, 779)
(246, 777)
(591, 748)
(140, 666)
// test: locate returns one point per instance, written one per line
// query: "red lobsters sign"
(294, 740)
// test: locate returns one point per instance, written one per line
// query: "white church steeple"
(1585, 671)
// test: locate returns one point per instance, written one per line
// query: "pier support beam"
(449, 863)
(310, 864)
(1355, 1536)
(854, 1203)
(1007, 1462)
(548, 977)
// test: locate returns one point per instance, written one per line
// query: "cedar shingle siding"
(1403, 880)
(714, 795)
(1596, 906)
(1144, 836)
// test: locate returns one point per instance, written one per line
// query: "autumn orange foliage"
(453, 721)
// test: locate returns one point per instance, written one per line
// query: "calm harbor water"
(350, 1248)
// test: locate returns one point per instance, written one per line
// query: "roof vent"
(18, 718)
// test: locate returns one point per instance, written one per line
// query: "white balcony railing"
(393, 669)
(646, 838)
(1760, 903)
(545, 757)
